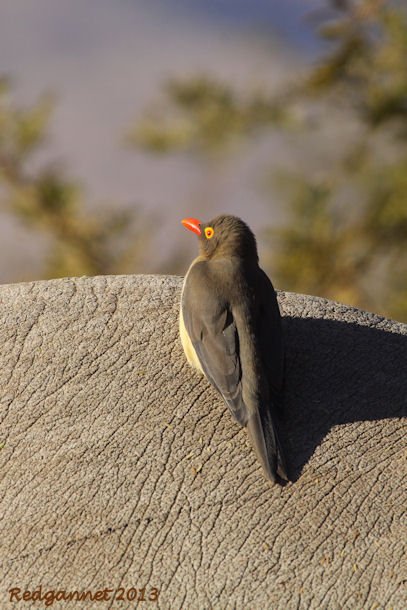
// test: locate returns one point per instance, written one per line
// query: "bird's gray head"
(225, 235)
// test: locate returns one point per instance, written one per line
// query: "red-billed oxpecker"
(230, 329)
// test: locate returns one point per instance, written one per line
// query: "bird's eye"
(209, 232)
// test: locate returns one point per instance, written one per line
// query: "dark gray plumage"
(230, 328)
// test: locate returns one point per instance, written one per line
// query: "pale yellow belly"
(185, 340)
(187, 344)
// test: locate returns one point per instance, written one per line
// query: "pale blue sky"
(106, 59)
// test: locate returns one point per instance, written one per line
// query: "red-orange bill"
(193, 224)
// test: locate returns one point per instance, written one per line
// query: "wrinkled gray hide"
(121, 467)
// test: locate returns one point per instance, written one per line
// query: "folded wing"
(210, 325)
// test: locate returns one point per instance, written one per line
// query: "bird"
(231, 331)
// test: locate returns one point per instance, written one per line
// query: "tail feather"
(264, 439)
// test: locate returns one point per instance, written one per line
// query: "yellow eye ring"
(209, 232)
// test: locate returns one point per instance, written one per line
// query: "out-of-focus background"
(120, 117)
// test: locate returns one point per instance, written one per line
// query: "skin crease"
(230, 330)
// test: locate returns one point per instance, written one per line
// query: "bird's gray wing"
(269, 331)
(270, 338)
(212, 329)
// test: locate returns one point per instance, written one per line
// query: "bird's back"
(230, 313)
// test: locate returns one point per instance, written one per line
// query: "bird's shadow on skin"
(337, 373)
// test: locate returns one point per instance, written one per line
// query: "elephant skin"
(121, 467)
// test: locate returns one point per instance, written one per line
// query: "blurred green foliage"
(345, 229)
(204, 116)
(80, 241)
